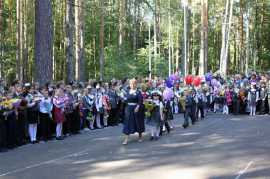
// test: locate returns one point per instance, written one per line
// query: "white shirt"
(45, 105)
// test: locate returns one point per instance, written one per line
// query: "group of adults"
(33, 113)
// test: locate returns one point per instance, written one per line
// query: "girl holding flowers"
(156, 115)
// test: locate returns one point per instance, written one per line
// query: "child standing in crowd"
(59, 101)
(69, 111)
(45, 114)
(201, 99)
(263, 98)
(253, 97)
(32, 113)
(76, 106)
(228, 100)
(156, 116)
(216, 100)
(99, 106)
(88, 105)
(168, 116)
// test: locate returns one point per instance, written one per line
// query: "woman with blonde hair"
(134, 121)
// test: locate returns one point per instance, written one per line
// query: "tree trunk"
(69, 40)
(1, 38)
(43, 41)
(155, 38)
(22, 16)
(225, 38)
(177, 52)
(158, 19)
(193, 71)
(79, 43)
(149, 52)
(241, 23)
(121, 26)
(25, 43)
(185, 49)
(1, 15)
(204, 38)
(247, 44)
(170, 41)
(101, 41)
(135, 28)
(18, 54)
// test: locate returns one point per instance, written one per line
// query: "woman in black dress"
(134, 120)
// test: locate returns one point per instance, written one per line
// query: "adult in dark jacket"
(189, 112)
(133, 121)
(114, 101)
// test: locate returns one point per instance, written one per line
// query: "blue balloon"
(169, 83)
(208, 76)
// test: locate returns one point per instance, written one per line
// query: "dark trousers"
(263, 107)
(200, 108)
(45, 126)
(67, 123)
(21, 130)
(167, 126)
(113, 117)
(3, 134)
(75, 122)
(189, 113)
(84, 121)
(236, 107)
(11, 129)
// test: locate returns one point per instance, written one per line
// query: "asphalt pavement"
(219, 147)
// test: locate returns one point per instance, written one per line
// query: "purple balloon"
(208, 76)
(169, 83)
(215, 83)
(174, 77)
(168, 94)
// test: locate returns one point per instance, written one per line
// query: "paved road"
(220, 147)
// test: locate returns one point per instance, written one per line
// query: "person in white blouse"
(99, 106)
(45, 114)
(253, 98)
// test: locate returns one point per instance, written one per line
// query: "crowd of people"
(30, 113)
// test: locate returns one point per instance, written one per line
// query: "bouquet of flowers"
(90, 117)
(9, 104)
(149, 106)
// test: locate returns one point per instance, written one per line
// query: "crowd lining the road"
(33, 113)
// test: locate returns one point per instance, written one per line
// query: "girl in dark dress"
(134, 121)
(156, 117)
(32, 115)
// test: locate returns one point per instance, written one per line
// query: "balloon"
(189, 79)
(208, 76)
(169, 83)
(215, 83)
(168, 94)
(174, 77)
(197, 81)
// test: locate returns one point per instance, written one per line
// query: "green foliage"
(129, 64)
